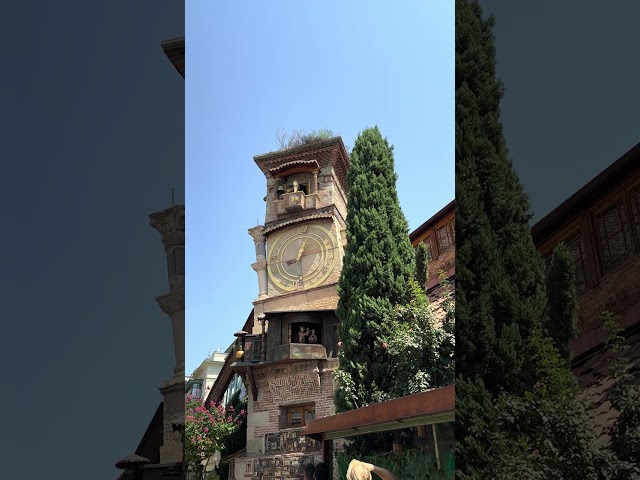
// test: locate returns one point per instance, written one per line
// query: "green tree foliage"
(206, 429)
(560, 322)
(237, 440)
(497, 263)
(392, 345)
(625, 398)
(409, 465)
(421, 352)
(377, 267)
(422, 266)
(475, 419)
(543, 433)
(499, 275)
(517, 415)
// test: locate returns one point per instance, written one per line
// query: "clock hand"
(304, 244)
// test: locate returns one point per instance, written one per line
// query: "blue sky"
(255, 67)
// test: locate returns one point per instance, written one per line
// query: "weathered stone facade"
(291, 380)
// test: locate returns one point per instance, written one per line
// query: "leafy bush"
(409, 465)
(206, 429)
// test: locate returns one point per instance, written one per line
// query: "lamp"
(240, 344)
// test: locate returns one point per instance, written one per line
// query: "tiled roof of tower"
(595, 380)
(326, 152)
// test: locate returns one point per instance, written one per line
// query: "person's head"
(358, 471)
(322, 471)
(309, 470)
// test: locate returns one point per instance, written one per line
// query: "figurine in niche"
(296, 186)
(309, 416)
(313, 338)
(303, 334)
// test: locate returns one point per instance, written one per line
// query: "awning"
(427, 408)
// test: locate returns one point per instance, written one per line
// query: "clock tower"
(299, 249)
(288, 356)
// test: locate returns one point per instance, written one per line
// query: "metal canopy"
(427, 408)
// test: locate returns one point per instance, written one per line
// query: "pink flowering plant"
(206, 428)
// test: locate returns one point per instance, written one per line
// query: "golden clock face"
(302, 257)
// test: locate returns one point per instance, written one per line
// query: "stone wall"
(274, 451)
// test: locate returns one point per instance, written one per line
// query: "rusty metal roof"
(434, 406)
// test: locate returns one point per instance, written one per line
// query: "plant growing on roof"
(299, 137)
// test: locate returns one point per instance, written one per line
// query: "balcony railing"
(297, 201)
(299, 351)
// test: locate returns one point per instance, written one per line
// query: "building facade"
(159, 454)
(439, 236)
(203, 377)
(600, 225)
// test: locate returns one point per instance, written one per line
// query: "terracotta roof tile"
(595, 381)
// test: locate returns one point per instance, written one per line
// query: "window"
(634, 201)
(614, 233)
(427, 242)
(445, 240)
(299, 416)
(257, 350)
(196, 390)
(252, 348)
(575, 245)
(452, 226)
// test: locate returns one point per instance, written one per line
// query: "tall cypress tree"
(422, 265)
(378, 264)
(512, 384)
(560, 322)
(500, 273)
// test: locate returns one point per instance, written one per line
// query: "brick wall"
(291, 384)
(442, 259)
(616, 292)
(444, 262)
